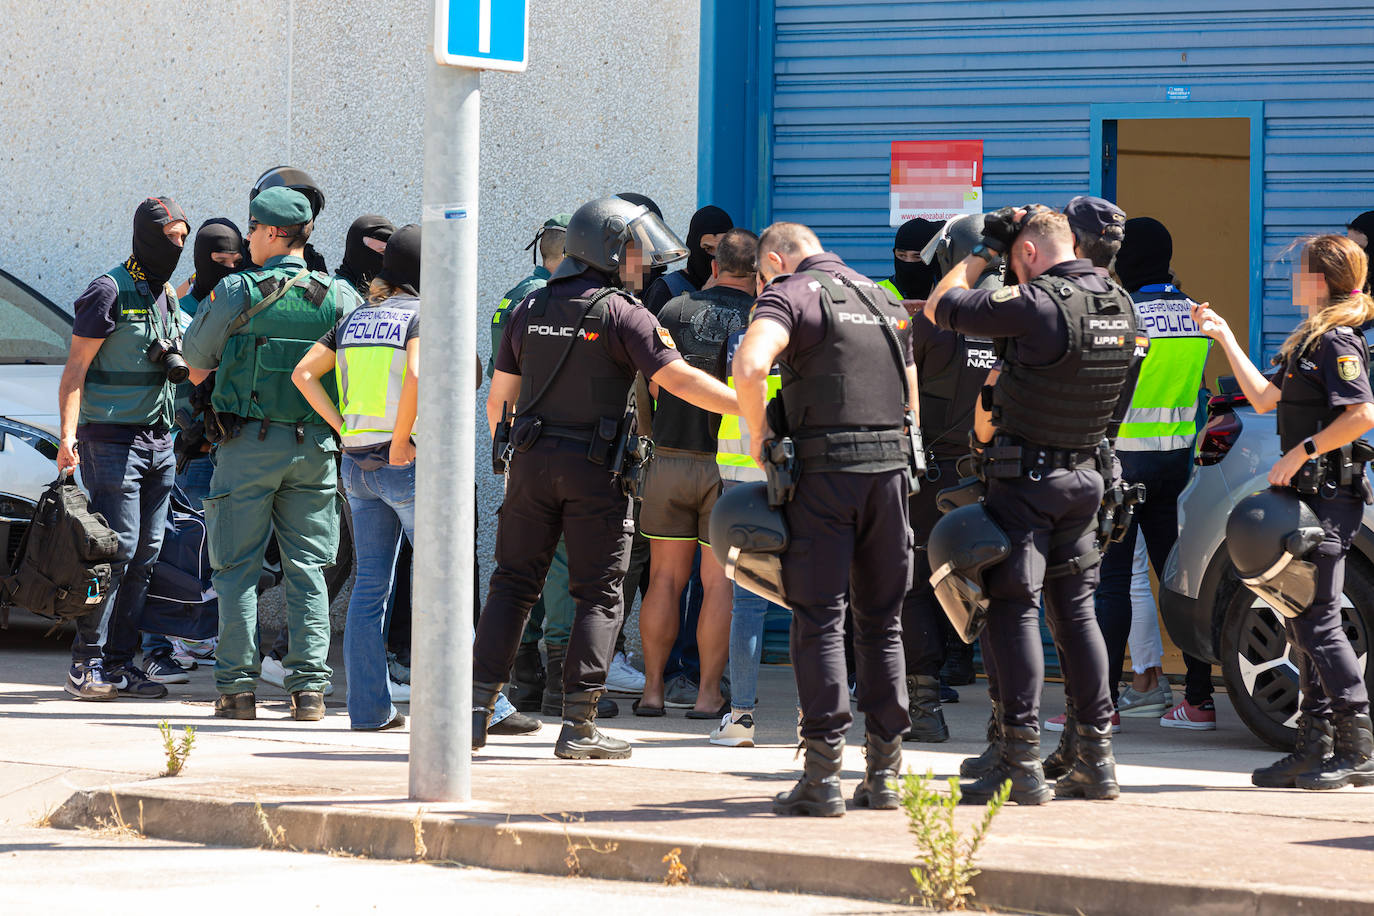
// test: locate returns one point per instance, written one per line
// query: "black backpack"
(62, 570)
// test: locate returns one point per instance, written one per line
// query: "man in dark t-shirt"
(682, 484)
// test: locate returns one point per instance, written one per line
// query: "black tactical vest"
(1303, 407)
(851, 382)
(949, 392)
(590, 385)
(1071, 403)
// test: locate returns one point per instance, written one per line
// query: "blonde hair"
(380, 290)
(1344, 266)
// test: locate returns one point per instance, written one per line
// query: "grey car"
(1209, 614)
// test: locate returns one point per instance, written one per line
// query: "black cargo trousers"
(553, 491)
(1048, 521)
(851, 548)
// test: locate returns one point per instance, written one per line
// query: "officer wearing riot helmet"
(275, 466)
(849, 404)
(951, 367)
(1322, 392)
(284, 176)
(1067, 340)
(566, 365)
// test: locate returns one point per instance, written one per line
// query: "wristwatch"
(983, 251)
(1309, 446)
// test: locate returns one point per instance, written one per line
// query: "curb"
(544, 847)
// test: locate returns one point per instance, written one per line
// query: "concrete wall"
(101, 108)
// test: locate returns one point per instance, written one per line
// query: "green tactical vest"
(254, 376)
(121, 385)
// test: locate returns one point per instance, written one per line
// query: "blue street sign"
(482, 34)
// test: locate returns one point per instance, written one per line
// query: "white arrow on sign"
(484, 27)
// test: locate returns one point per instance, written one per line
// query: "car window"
(31, 329)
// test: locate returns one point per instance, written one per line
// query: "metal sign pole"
(445, 510)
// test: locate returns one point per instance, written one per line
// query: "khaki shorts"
(680, 488)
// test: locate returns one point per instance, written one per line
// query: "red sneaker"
(1185, 715)
(1057, 723)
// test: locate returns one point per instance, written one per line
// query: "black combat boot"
(1315, 743)
(580, 739)
(483, 705)
(879, 788)
(1020, 763)
(958, 667)
(527, 679)
(1061, 761)
(552, 702)
(1352, 758)
(973, 767)
(1093, 774)
(927, 716)
(817, 793)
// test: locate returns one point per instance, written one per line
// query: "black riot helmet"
(963, 546)
(747, 537)
(1269, 534)
(956, 241)
(287, 177)
(601, 229)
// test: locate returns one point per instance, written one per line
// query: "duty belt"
(1007, 457)
(852, 447)
(569, 432)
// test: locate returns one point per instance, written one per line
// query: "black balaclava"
(1145, 254)
(156, 254)
(706, 221)
(914, 279)
(1364, 223)
(215, 236)
(361, 263)
(401, 262)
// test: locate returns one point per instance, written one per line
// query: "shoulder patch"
(1348, 367)
(667, 338)
(1004, 294)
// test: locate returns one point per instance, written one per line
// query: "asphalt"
(1188, 835)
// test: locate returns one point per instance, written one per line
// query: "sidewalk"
(1189, 833)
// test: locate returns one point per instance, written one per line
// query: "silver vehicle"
(1209, 614)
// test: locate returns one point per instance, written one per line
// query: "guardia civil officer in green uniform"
(550, 239)
(275, 469)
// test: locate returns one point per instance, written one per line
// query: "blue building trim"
(1102, 177)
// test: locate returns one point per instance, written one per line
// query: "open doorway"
(1193, 175)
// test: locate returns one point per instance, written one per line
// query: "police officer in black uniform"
(951, 367)
(848, 395)
(566, 365)
(1324, 405)
(1067, 340)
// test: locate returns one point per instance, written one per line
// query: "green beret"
(558, 222)
(280, 207)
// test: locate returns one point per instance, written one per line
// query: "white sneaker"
(400, 693)
(622, 677)
(734, 732)
(275, 673)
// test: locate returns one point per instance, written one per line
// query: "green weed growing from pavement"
(276, 836)
(178, 751)
(946, 858)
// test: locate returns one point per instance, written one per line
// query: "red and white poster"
(935, 179)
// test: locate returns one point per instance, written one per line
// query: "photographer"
(1067, 338)
(115, 402)
(1324, 404)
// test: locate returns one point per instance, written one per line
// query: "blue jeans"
(383, 504)
(130, 487)
(746, 644)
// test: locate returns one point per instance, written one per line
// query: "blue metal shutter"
(850, 77)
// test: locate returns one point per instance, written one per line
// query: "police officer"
(275, 469)
(951, 367)
(912, 278)
(284, 176)
(848, 396)
(1067, 341)
(567, 362)
(364, 249)
(1324, 404)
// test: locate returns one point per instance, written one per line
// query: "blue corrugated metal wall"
(850, 77)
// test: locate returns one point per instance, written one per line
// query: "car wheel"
(1258, 664)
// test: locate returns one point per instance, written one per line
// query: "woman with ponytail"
(1322, 392)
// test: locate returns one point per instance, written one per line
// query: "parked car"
(1209, 614)
(35, 336)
